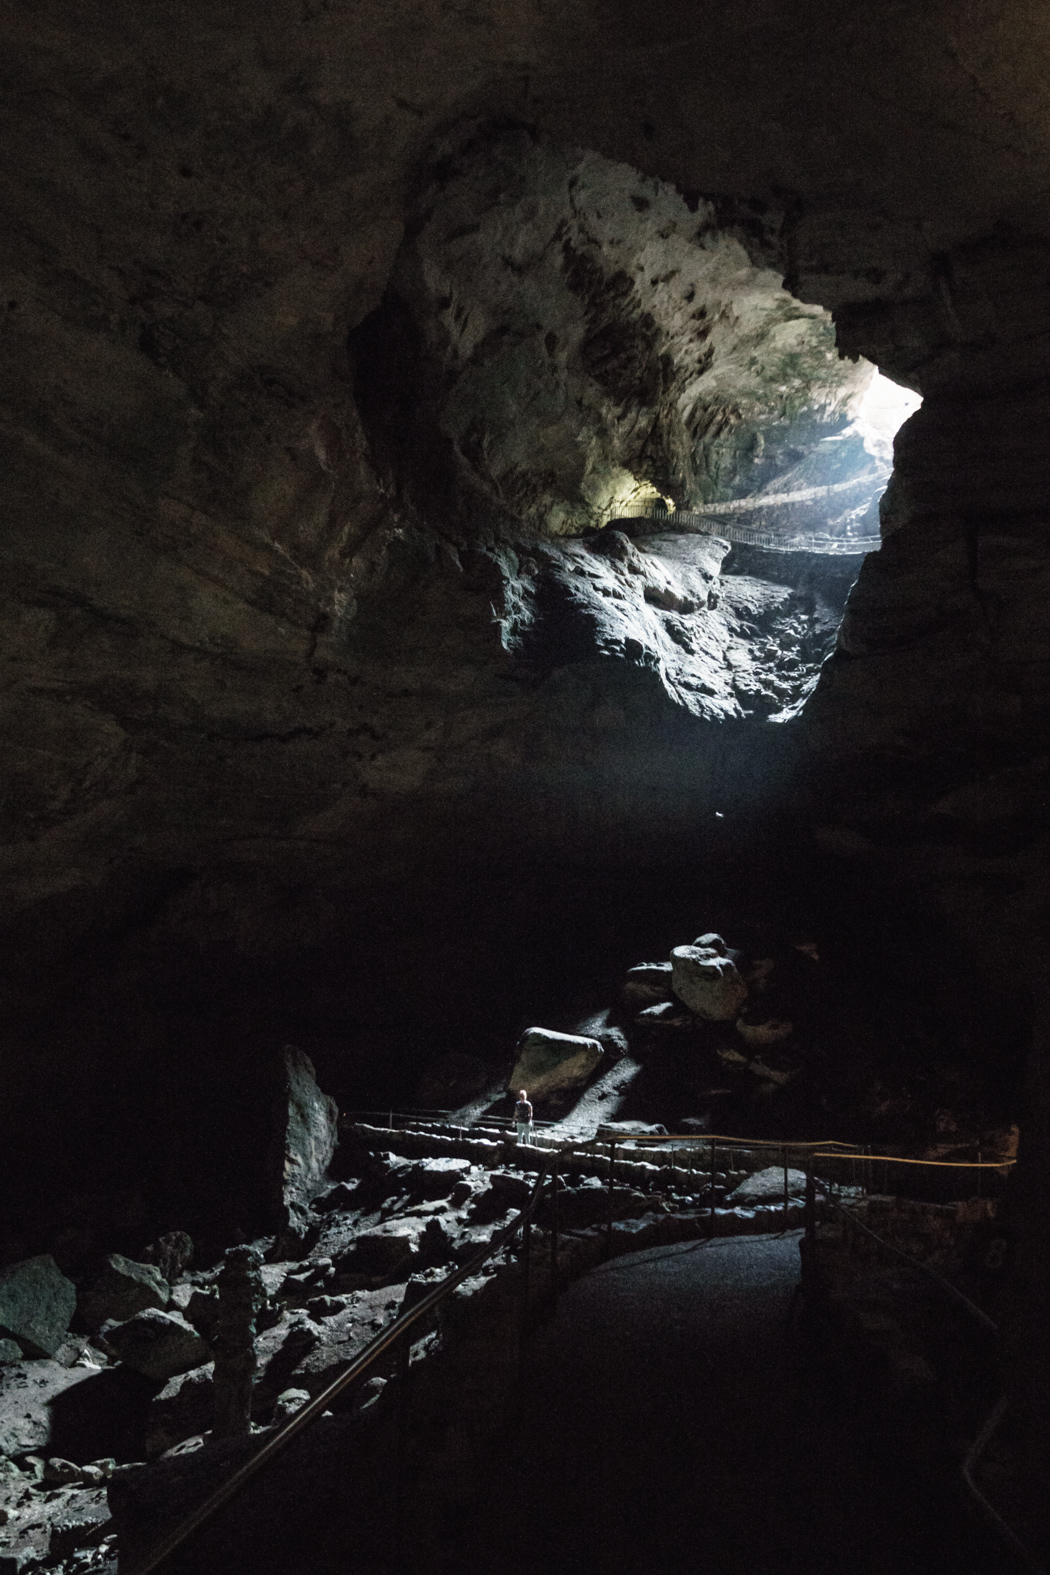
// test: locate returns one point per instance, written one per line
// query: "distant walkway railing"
(973, 1455)
(709, 520)
(548, 1157)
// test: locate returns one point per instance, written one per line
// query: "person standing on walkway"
(523, 1117)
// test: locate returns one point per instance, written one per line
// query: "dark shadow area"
(671, 1421)
(103, 1417)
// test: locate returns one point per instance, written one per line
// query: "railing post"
(554, 1235)
(713, 1174)
(784, 1157)
(523, 1327)
(810, 1220)
(526, 1256)
(612, 1184)
(401, 1424)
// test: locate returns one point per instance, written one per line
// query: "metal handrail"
(315, 1408)
(980, 1443)
(814, 1146)
(969, 1465)
(916, 1263)
(436, 1117)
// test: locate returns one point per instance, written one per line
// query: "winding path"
(671, 1427)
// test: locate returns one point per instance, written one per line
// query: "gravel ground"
(671, 1423)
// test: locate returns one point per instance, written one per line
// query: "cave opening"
(675, 476)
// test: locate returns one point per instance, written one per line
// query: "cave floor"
(672, 1422)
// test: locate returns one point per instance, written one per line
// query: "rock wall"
(928, 726)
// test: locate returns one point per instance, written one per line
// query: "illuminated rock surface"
(36, 1304)
(548, 1062)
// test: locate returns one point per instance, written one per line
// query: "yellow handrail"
(816, 1147)
(954, 1164)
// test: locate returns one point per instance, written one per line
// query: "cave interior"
(489, 497)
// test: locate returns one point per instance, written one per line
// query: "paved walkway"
(670, 1427)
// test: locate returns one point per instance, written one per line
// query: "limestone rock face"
(707, 983)
(548, 1062)
(36, 1304)
(300, 616)
(306, 1136)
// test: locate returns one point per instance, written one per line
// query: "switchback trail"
(671, 1423)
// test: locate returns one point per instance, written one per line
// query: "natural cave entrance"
(624, 471)
(656, 462)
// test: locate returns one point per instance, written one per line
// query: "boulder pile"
(712, 1022)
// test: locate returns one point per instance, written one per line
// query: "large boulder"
(122, 1290)
(436, 1178)
(707, 983)
(306, 1130)
(158, 1344)
(397, 1247)
(78, 1519)
(183, 1408)
(36, 1304)
(550, 1063)
(710, 942)
(172, 1253)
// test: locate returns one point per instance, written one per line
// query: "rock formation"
(36, 1304)
(304, 1139)
(547, 1062)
